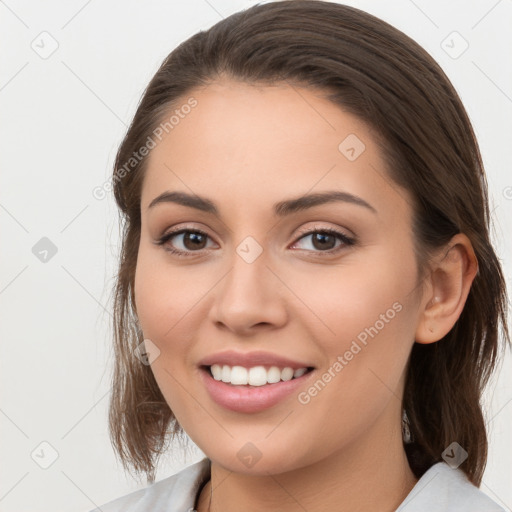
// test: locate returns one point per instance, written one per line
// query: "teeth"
(287, 374)
(300, 372)
(273, 375)
(255, 376)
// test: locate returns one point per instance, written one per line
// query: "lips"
(250, 359)
(248, 398)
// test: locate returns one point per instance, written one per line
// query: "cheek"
(371, 317)
(170, 301)
(165, 294)
(345, 300)
(364, 314)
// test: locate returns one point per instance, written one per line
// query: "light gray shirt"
(440, 489)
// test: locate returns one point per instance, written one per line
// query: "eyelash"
(347, 241)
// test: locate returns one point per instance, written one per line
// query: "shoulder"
(174, 493)
(443, 488)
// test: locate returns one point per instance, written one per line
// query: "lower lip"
(250, 399)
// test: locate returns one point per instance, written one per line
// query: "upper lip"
(250, 359)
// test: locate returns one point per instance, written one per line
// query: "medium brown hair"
(376, 72)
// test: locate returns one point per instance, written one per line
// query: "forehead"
(253, 145)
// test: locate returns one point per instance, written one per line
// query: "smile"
(252, 398)
(254, 376)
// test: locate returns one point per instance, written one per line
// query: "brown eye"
(187, 241)
(194, 240)
(325, 240)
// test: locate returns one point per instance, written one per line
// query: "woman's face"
(267, 282)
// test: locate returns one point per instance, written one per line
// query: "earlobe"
(451, 277)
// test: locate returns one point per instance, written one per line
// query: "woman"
(306, 287)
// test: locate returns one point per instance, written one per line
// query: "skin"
(246, 148)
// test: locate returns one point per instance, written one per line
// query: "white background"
(62, 120)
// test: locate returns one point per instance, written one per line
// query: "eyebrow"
(281, 209)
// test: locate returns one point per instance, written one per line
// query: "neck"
(370, 474)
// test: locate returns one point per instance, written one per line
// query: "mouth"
(254, 376)
(253, 389)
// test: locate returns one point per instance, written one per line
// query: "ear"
(452, 273)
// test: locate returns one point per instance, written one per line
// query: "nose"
(250, 297)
